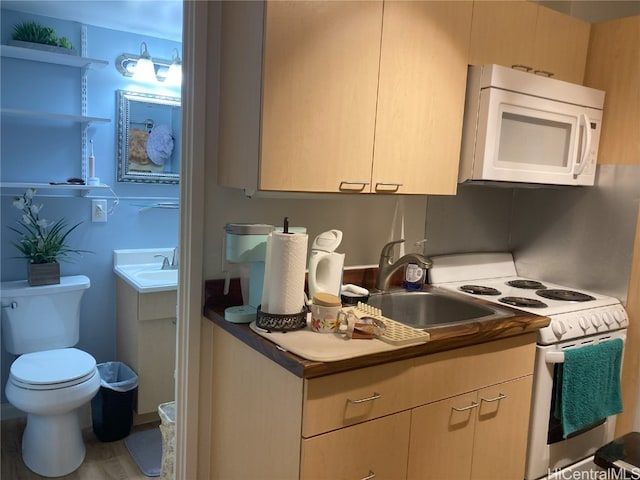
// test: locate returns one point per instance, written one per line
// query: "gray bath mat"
(146, 449)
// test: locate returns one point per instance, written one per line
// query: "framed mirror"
(149, 128)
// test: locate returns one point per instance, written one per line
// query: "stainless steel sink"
(433, 308)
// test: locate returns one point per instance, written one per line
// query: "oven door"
(547, 451)
(535, 140)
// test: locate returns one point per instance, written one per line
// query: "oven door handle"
(554, 357)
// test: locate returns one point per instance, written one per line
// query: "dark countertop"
(442, 338)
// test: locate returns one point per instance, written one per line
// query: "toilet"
(50, 380)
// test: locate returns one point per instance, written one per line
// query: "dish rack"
(395, 333)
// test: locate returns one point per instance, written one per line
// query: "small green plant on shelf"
(35, 33)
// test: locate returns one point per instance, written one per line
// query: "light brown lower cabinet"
(478, 435)
(459, 414)
(375, 449)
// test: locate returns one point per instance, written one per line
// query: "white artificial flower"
(30, 193)
(42, 223)
(26, 220)
(19, 203)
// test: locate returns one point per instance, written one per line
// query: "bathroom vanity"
(146, 299)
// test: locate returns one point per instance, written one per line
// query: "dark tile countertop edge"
(443, 338)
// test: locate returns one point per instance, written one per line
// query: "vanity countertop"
(442, 338)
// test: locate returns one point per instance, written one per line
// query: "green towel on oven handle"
(588, 384)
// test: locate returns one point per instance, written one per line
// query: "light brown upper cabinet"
(327, 96)
(614, 66)
(533, 36)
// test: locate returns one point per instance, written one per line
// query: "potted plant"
(35, 35)
(42, 243)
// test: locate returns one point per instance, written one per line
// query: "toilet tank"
(41, 318)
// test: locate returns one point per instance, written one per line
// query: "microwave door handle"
(578, 168)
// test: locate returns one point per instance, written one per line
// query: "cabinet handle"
(501, 396)
(375, 396)
(352, 186)
(370, 476)
(473, 405)
(546, 73)
(526, 68)
(396, 186)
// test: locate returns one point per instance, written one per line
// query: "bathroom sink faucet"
(386, 266)
(165, 260)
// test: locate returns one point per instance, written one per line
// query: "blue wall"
(39, 151)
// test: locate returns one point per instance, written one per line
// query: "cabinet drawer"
(343, 399)
(379, 447)
(453, 372)
(157, 305)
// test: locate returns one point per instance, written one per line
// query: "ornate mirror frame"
(148, 137)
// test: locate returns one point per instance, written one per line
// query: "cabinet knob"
(370, 476)
(545, 73)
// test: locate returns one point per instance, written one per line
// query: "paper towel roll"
(285, 266)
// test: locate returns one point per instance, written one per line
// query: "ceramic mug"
(324, 319)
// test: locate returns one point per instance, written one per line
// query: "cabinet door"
(561, 44)
(500, 445)
(441, 441)
(319, 94)
(376, 448)
(614, 66)
(503, 33)
(157, 353)
(423, 71)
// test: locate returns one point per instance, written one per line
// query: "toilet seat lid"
(53, 367)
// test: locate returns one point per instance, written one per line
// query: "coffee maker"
(246, 243)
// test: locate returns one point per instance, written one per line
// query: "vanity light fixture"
(151, 70)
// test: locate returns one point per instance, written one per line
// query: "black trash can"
(112, 407)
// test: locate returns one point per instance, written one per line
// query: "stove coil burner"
(528, 284)
(566, 295)
(523, 302)
(480, 290)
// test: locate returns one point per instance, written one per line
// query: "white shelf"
(83, 189)
(13, 112)
(51, 57)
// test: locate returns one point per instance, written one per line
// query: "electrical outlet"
(98, 210)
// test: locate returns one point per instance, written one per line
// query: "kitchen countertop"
(442, 338)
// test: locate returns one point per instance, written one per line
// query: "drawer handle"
(463, 409)
(546, 73)
(501, 396)
(375, 396)
(370, 476)
(518, 66)
(352, 186)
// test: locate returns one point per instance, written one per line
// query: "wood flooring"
(103, 461)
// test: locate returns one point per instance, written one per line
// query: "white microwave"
(522, 127)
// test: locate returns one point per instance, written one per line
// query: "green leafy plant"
(36, 33)
(40, 241)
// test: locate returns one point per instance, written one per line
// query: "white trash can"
(167, 412)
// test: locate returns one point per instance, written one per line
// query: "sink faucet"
(386, 266)
(165, 261)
